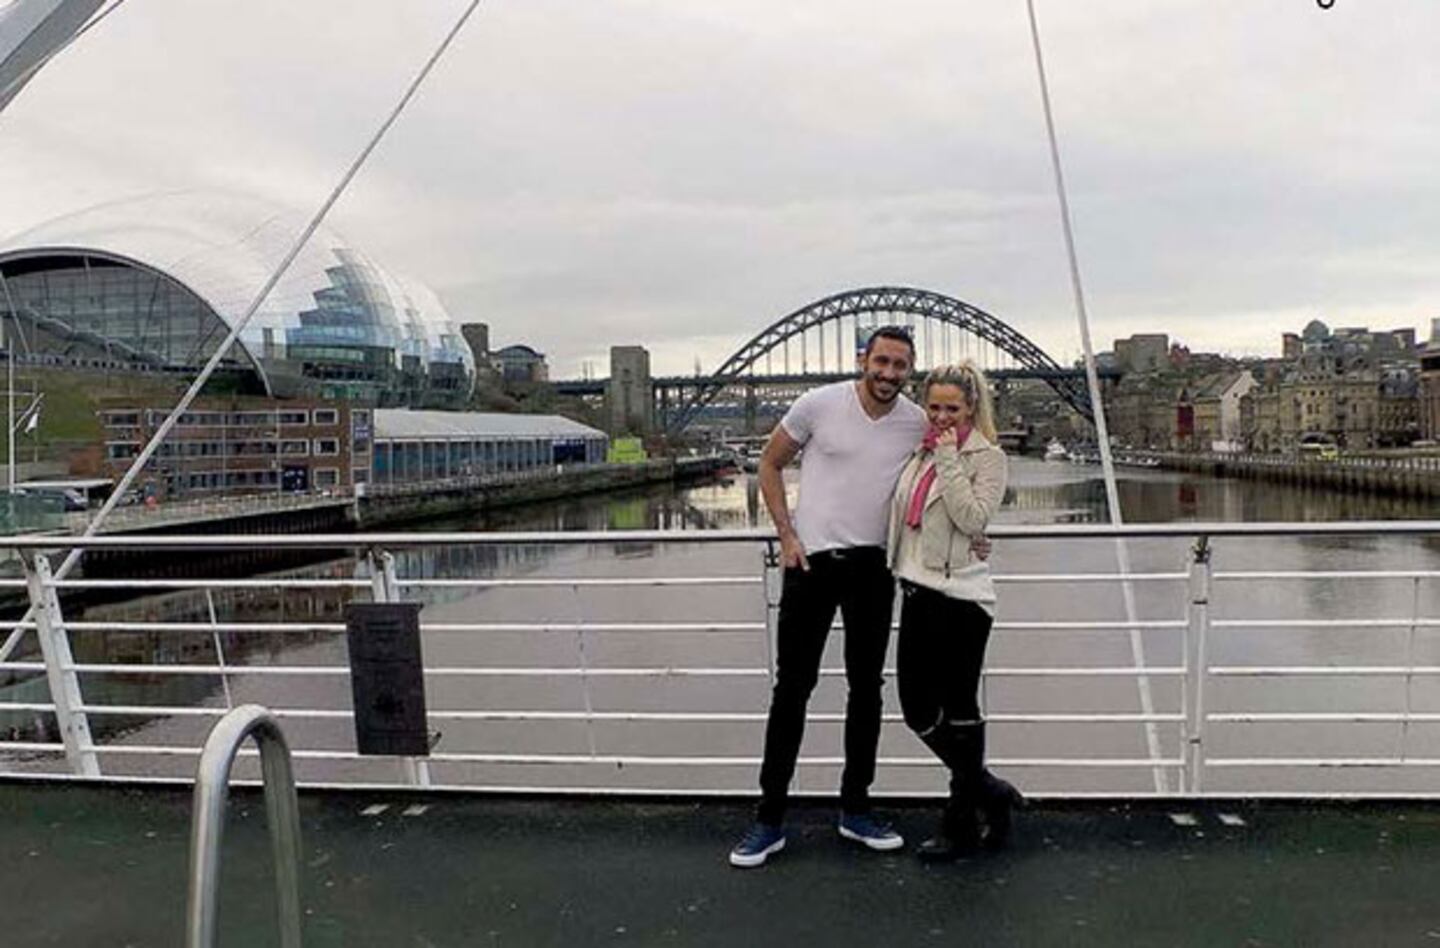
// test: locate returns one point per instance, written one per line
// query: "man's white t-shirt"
(850, 465)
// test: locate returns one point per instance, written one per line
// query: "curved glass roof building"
(157, 283)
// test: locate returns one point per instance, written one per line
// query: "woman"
(946, 496)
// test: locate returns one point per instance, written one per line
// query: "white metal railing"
(579, 718)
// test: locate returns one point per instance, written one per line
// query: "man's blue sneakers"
(865, 829)
(758, 844)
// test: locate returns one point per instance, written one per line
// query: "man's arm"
(780, 450)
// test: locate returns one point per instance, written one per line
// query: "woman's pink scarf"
(922, 487)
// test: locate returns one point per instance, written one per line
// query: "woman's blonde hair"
(968, 378)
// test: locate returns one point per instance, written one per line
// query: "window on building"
(120, 450)
(326, 447)
(327, 477)
(299, 448)
(326, 416)
(295, 418)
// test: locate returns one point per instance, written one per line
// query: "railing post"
(773, 579)
(385, 587)
(207, 826)
(1198, 625)
(60, 666)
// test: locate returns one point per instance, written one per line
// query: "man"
(857, 436)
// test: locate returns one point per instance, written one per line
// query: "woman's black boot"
(958, 835)
(961, 747)
(998, 799)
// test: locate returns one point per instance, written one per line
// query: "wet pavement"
(83, 866)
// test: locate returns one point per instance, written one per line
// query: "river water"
(1042, 493)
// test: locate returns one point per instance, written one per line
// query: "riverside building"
(255, 446)
(155, 284)
(245, 446)
(439, 445)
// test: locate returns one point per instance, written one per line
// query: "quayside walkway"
(88, 866)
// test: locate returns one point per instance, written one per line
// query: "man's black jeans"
(856, 581)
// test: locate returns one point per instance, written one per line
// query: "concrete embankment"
(1402, 477)
(378, 507)
(408, 503)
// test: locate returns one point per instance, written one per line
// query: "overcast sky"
(679, 173)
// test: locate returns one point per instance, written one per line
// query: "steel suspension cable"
(1097, 406)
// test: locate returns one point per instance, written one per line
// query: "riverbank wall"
(400, 505)
(1398, 477)
(382, 505)
(394, 504)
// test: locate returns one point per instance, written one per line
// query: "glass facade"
(156, 284)
(68, 307)
(398, 462)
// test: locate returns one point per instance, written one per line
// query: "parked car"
(1319, 451)
(70, 498)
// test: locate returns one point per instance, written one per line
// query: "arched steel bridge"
(906, 301)
(680, 400)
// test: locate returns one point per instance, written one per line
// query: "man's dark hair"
(898, 333)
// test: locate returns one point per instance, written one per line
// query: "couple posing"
(888, 489)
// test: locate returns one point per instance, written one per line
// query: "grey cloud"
(682, 173)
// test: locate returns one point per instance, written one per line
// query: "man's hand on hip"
(792, 552)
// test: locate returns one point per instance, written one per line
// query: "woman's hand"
(947, 437)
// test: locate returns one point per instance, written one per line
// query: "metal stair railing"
(212, 783)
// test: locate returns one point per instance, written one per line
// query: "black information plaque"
(387, 678)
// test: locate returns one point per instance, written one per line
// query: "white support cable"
(180, 408)
(23, 78)
(219, 648)
(1097, 406)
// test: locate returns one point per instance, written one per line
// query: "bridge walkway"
(82, 865)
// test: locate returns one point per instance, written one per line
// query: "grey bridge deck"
(82, 866)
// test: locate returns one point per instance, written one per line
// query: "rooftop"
(88, 865)
(401, 423)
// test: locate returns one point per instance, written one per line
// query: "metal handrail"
(212, 783)
(1196, 676)
(356, 541)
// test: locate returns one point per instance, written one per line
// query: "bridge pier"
(662, 410)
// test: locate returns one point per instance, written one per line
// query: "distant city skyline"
(679, 175)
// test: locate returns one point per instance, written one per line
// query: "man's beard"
(874, 384)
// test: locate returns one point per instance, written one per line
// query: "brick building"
(241, 446)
